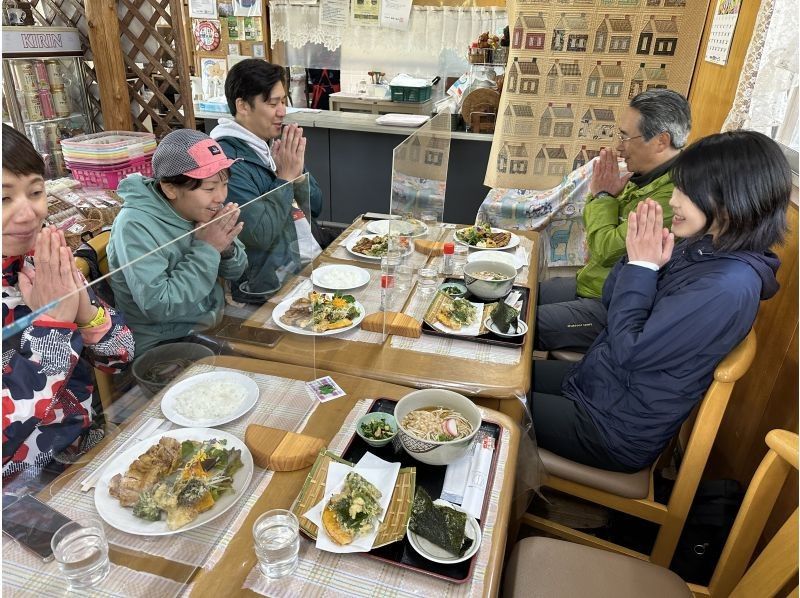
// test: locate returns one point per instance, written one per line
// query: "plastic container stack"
(102, 160)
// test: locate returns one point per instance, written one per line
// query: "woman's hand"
(223, 229)
(54, 278)
(289, 153)
(647, 239)
(605, 174)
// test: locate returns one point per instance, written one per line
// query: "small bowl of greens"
(453, 289)
(377, 429)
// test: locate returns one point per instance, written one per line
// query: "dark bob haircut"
(187, 182)
(19, 155)
(250, 79)
(742, 181)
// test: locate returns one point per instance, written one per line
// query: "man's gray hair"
(663, 110)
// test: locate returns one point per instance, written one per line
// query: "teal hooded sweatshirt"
(174, 291)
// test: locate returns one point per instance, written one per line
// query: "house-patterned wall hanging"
(573, 67)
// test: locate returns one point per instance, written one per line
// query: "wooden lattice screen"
(153, 48)
(154, 52)
(70, 13)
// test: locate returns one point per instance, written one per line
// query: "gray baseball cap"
(189, 152)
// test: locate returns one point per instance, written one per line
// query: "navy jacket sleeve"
(645, 333)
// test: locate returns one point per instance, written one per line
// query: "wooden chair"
(633, 493)
(544, 567)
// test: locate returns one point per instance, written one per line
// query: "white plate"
(284, 306)
(352, 242)
(493, 255)
(326, 277)
(171, 413)
(434, 553)
(122, 518)
(512, 242)
(473, 329)
(522, 329)
(401, 227)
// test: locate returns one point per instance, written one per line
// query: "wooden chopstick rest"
(280, 450)
(396, 323)
(428, 247)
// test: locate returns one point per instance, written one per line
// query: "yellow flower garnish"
(338, 302)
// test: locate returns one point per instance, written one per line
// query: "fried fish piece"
(159, 461)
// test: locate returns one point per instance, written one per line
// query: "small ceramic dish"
(452, 286)
(375, 416)
(521, 330)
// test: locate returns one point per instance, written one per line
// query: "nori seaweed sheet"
(439, 524)
(503, 316)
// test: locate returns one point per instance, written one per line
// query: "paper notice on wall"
(722, 29)
(203, 9)
(395, 14)
(366, 13)
(334, 13)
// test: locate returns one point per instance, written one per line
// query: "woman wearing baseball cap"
(171, 292)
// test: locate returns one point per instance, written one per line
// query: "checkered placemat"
(328, 575)
(24, 574)
(283, 403)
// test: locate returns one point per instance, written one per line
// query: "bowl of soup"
(489, 280)
(436, 426)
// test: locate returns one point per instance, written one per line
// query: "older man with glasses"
(651, 133)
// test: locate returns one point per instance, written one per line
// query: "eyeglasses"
(623, 138)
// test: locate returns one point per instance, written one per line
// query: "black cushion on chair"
(546, 568)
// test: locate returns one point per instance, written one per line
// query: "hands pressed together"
(647, 240)
(289, 153)
(605, 175)
(223, 229)
(56, 278)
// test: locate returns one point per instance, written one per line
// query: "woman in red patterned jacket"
(47, 375)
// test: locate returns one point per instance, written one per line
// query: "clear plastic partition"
(415, 229)
(156, 342)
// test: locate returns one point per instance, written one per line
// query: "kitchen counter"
(350, 156)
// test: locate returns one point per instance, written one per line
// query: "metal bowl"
(430, 451)
(489, 289)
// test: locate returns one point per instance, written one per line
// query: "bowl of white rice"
(210, 399)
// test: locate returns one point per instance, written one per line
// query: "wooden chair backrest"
(778, 562)
(99, 243)
(701, 439)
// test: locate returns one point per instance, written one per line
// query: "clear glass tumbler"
(431, 220)
(460, 255)
(427, 281)
(81, 550)
(277, 542)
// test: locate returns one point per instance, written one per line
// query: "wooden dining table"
(229, 572)
(499, 386)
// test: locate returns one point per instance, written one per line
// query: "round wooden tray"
(480, 100)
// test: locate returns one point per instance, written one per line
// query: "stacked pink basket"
(102, 160)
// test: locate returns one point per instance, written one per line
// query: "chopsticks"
(147, 429)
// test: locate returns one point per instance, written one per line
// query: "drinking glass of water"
(427, 281)
(277, 542)
(81, 550)
(460, 255)
(431, 220)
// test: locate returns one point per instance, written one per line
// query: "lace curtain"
(436, 41)
(767, 97)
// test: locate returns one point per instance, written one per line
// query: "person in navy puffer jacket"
(674, 310)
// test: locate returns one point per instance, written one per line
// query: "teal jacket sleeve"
(233, 267)
(265, 218)
(159, 292)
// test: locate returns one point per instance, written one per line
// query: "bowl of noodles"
(436, 426)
